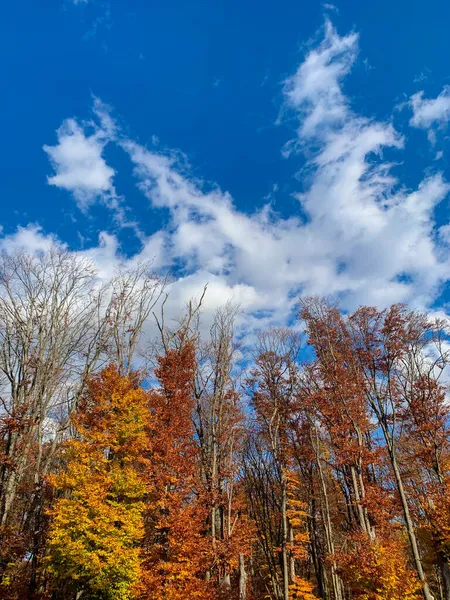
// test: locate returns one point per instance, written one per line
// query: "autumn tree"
(300, 587)
(332, 482)
(340, 428)
(385, 343)
(51, 337)
(382, 359)
(176, 551)
(97, 521)
(379, 569)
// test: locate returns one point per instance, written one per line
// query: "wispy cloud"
(430, 114)
(422, 76)
(332, 7)
(315, 89)
(103, 21)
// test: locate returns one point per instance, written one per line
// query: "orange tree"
(176, 550)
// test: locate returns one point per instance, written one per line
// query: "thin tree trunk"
(291, 556)
(14, 478)
(320, 572)
(409, 524)
(335, 579)
(284, 543)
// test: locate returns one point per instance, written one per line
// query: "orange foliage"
(378, 570)
(176, 552)
(437, 507)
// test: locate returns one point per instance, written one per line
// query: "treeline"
(300, 466)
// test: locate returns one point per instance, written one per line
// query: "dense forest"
(295, 463)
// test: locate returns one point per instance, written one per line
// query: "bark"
(291, 557)
(316, 553)
(242, 578)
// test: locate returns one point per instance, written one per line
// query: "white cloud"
(29, 239)
(315, 89)
(208, 235)
(79, 165)
(360, 235)
(430, 114)
(422, 76)
(360, 216)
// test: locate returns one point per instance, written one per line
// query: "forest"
(146, 457)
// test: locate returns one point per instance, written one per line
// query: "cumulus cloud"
(359, 234)
(366, 238)
(78, 162)
(430, 113)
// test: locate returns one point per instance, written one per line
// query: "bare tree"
(182, 330)
(273, 386)
(134, 294)
(51, 336)
(218, 423)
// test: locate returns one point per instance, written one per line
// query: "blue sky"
(268, 148)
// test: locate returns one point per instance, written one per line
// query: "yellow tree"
(97, 522)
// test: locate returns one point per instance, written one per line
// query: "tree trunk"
(13, 479)
(225, 583)
(284, 543)
(316, 554)
(409, 524)
(242, 578)
(335, 579)
(291, 556)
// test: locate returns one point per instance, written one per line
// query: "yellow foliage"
(97, 522)
(301, 590)
(379, 570)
